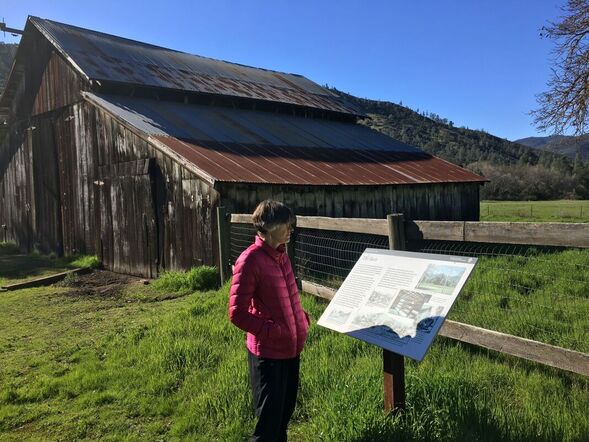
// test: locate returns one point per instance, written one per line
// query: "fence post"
(393, 363)
(224, 230)
(290, 250)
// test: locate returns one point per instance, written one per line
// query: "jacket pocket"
(273, 330)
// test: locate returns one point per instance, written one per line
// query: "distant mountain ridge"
(562, 144)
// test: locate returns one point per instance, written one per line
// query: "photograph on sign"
(398, 300)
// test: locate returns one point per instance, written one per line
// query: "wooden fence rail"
(542, 234)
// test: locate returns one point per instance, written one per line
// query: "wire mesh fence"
(555, 211)
(539, 293)
(242, 236)
(326, 257)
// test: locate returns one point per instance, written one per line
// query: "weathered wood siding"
(33, 150)
(46, 184)
(16, 190)
(46, 190)
(449, 201)
(66, 185)
(60, 86)
(77, 171)
(128, 234)
(183, 203)
(31, 70)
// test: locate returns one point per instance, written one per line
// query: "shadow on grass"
(468, 424)
(16, 267)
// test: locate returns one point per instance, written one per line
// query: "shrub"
(86, 262)
(196, 279)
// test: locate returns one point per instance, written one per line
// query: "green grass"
(541, 296)
(138, 367)
(197, 278)
(563, 211)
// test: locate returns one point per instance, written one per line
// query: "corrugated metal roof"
(234, 145)
(105, 57)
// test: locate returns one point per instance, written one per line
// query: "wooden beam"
(241, 218)
(44, 280)
(357, 225)
(544, 234)
(546, 354)
(320, 291)
(523, 348)
(435, 230)
(13, 31)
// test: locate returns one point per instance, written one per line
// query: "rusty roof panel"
(210, 123)
(105, 57)
(232, 162)
(234, 145)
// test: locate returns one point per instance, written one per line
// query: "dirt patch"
(99, 283)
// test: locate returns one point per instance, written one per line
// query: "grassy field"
(563, 211)
(146, 364)
(542, 296)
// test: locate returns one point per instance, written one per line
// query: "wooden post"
(394, 381)
(393, 363)
(290, 250)
(224, 230)
(396, 224)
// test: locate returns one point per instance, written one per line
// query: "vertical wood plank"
(224, 239)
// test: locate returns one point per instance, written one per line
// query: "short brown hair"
(271, 213)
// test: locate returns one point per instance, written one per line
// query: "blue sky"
(478, 63)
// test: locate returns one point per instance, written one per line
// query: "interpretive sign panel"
(398, 300)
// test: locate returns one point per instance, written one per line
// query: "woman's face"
(280, 234)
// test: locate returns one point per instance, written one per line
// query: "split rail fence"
(528, 278)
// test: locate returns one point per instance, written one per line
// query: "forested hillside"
(440, 137)
(7, 52)
(516, 171)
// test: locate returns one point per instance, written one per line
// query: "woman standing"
(264, 302)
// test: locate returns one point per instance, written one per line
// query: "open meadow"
(561, 211)
(104, 357)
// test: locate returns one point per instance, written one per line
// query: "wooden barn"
(124, 150)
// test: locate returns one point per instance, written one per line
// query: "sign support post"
(393, 363)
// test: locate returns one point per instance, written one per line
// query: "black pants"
(274, 383)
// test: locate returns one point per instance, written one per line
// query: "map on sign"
(398, 300)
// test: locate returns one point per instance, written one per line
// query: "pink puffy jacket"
(264, 301)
